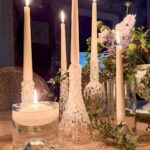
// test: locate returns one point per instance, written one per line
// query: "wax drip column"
(27, 91)
(64, 90)
(94, 90)
(75, 120)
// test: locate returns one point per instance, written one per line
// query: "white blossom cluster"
(125, 27)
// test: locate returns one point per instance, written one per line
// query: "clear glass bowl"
(35, 125)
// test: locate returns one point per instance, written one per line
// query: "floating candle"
(35, 114)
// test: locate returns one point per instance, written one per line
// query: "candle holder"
(35, 126)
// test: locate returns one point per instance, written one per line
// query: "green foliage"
(57, 78)
(123, 138)
(146, 79)
(140, 37)
(135, 53)
(101, 26)
(54, 81)
(119, 134)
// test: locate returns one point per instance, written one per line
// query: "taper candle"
(94, 52)
(63, 46)
(120, 103)
(27, 63)
(75, 33)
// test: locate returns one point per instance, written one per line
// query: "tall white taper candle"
(94, 52)
(75, 33)
(120, 103)
(27, 63)
(63, 46)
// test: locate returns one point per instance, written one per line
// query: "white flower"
(126, 25)
(130, 21)
(123, 30)
(103, 36)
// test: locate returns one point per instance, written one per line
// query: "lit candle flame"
(27, 2)
(118, 38)
(62, 16)
(35, 98)
(94, 1)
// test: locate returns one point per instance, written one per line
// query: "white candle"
(75, 33)
(36, 114)
(120, 103)
(94, 52)
(63, 46)
(27, 63)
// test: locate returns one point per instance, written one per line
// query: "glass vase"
(35, 126)
(131, 102)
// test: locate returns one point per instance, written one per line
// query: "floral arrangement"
(136, 52)
(135, 43)
(119, 135)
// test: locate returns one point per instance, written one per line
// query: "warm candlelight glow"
(118, 38)
(62, 16)
(35, 98)
(27, 2)
(94, 1)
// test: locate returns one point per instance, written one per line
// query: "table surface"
(6, 136)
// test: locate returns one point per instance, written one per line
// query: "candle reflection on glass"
(35, 98)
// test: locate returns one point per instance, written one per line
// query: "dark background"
(46, 28)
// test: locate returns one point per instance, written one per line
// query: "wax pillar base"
(64, 91)
(75, 122)
(94, 70)
(94, 94)
(94, 91)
